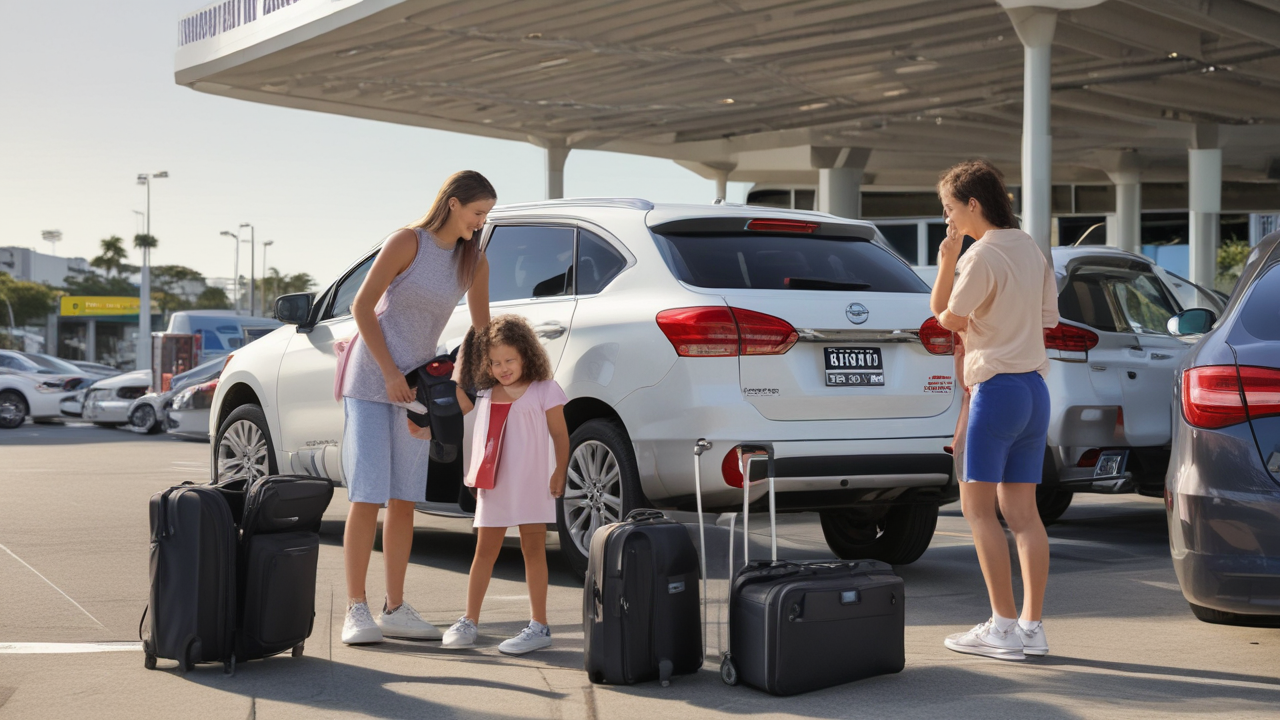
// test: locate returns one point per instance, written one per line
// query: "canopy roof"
(753, 86)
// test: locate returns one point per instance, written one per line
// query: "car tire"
(900, 537)
(13, 409)
(602, 487)
(1052, 503)
(1219, 617)
(108, 424)
(243, 449)
(143, 418)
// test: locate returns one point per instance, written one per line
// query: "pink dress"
(522, 493)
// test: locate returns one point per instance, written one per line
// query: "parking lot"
(73, 577)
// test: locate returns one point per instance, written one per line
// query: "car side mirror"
(294, 309)
(1195, 321)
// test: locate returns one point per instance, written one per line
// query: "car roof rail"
(616, 202)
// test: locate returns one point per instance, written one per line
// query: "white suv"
(796, 334)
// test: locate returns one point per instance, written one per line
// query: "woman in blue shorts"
(999, 297)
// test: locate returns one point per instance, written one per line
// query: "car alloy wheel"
(13, 410)
(144, 418)
(593, 492)
(242, 452)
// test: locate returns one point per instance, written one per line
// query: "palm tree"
(142, 240)
(113, 255)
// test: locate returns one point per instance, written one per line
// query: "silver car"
(107, 402)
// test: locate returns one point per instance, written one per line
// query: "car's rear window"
(1261, 312)
(763, 261)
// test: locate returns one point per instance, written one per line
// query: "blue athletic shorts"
(1008, 429)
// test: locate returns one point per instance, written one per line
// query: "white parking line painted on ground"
(35, 648)
(55, 587)
(1162, 585)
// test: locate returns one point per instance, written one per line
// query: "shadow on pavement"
(34, 435)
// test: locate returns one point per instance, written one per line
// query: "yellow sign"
(73, 305)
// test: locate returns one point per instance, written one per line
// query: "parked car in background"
(31, 390)
(107, 401)
(221, 332)
(1223, 487)
(795, 335)
(186, 411)
(147, 413)
(65, 367)
(1111, 373)
(93, 368)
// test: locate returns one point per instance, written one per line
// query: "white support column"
(840, 173)
(1204, 200)
(1128, 210)
(556, 155)
(1035, 26)
(91, 341)
(722, 185)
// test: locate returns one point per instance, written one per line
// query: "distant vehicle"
(221, 332)
(106, 402)
(99, 369)
(31, 390)
(187, 412)
(147, 413)
(1222, 493)
(66, 367)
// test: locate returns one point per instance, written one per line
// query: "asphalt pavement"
(73, 584)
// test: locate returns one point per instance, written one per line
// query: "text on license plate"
(853, 367)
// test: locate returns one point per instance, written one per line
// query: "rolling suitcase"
(191, 612)
(640, 612)
(279, 551)
(801, 626)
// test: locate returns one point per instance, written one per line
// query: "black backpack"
(439, 393)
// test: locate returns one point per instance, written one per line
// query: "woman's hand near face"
(949, 250)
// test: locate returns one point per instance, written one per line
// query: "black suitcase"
(640, 605)
(279, 551)
(801, 626)
(191, 612)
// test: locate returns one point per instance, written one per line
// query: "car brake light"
(937, 339)
(207, 387)
(1069, 338)
(1089, 458)
(1261, 391)
(781, 225)
(1211, 397)
(731, 468)
(725, 332)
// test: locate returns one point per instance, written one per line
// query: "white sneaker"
(462, 634)
(405, 622)
(534, 636)
(985, 639)
(1034, 642)
(359, 628)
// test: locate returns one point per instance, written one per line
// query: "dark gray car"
(1222, 492)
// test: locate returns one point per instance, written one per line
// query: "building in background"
(28, 264)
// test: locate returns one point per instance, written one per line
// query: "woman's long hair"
(468, 186)
(510, 330)
(981, 180)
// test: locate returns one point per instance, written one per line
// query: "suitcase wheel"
(149, 661)
(229, 666)
(596, 677)
(728, 671)
(297, 650)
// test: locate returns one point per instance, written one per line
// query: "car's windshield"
(19, 362)
(763, 261)
(52, 363)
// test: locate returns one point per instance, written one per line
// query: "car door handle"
(550, 330)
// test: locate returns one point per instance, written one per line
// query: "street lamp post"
(144, 291)
(265, 244)
(235, 276)
(253, 295)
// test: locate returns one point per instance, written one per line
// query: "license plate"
(853, 367)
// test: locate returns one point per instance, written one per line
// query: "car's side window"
(1085, 299)
(8, 362)
(528, 262)
(598, 263)
(347, 289)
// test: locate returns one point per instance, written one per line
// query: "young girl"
(531, 470)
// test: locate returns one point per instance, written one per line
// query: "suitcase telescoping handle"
(749, 461)
(699, 447)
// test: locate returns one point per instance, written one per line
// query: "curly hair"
(513, 331)
(981, 180)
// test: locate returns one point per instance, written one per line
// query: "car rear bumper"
(110, 410)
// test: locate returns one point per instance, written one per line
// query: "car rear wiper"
(820, 284)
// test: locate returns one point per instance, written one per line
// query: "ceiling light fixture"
(896, 93)
(727, 101)
(814, 106)
(553, 63)
(533, 36)
(1173, 56)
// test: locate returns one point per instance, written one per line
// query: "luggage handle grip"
(642, 514)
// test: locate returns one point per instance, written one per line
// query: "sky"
(89, 102)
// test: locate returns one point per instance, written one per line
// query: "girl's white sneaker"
(535, 636)
(405, 622)
(985, 639)
(1033, 641)
(461, 635)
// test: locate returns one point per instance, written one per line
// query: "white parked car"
(107, 402)
(794, 334)
(30, 390)
(150, 412)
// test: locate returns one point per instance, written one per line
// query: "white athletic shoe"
(985, 639)
(534, 636)
(359, 628)
(1034, 642)
(405, 622)
(462, 634)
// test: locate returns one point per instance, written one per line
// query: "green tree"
(165, 280)
(94, 284)
(1231, 258)
(142, 240)
(112, 259)
(274, 285)
(213, 298)
(31, 301)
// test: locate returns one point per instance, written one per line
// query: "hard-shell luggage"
(279, 552)
(191, 612)
(800, 626)
(640, 612)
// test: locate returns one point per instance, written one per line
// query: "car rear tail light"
(725, 332)
(207, 387)
(1089, 458)
(781, 225)
(1070, 338)
(937, 339)
(731, 468)
(1220, 395)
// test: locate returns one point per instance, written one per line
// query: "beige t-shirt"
(1006, 288)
